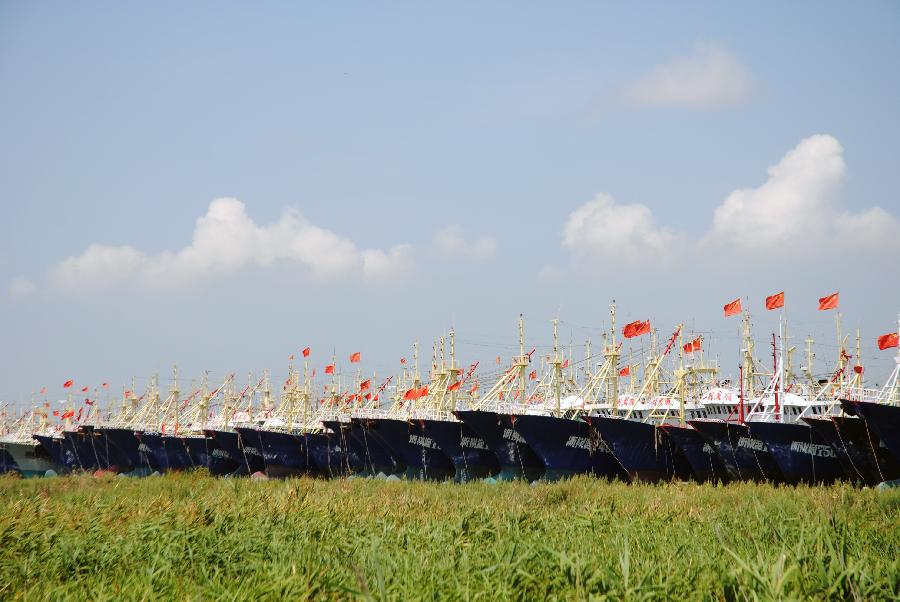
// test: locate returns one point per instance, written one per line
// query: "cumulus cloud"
(796, 211)
(224, 241)
(797, 205)
(20, 286)
(450, 242)
(605, 228)
(711, 76)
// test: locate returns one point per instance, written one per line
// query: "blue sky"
(441, 167)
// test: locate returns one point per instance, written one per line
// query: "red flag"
(364, 385)
(733, 308)
(886, 341)
(858, 369)
(402, 361)
(473, 389)
(56, 412)
(84, 389)
(356, 358)
(455, 386)
(693, 346)
(776, 301)
(565, 364)
(422, 392)
(127, 394)
(829, 302)
(368, 396)
(410, 394)
(78, 418)
(89, 402)
(533, 375)
(626, 371)
(306, 352)
(68, 384)
(46, 404)
(636, 329)
(329, 369)
(375, 398)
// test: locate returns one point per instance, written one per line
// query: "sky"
(220, 185)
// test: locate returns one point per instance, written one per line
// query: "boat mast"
(174, 394)
(748, 356)
(557, 363)
(611, 352)
(810, 356)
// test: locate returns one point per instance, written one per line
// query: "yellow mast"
(747, 349)
(611, 353)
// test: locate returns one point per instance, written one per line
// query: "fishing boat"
(22, 453)
(280, 439)
(552, 418)
(638, 429)
(470, 455)
(395, 431)
(744, 457)
(801, 454)
(861, 452)
(175, 438)
(881, 413)
(249, 459)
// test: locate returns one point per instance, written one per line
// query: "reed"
(190, 536)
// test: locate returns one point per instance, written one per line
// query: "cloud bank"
(710, 77)
(795, 212)
(226, 240)
(451, 243)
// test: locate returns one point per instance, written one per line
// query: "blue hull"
(168, 451)
(205, 452)
(60, 451)
(421, 455)
(566, 447)
(285, 454)
(517, 460)
(85, 452)
(744, 458)
(328, 455)
(860, 451)
(882, 419)
(700, 453)
(353, 453)
(377, 456)
(644, 450)
(249, 459)
(469, 453)
(802, 457)
(7, 464)
(122, 448)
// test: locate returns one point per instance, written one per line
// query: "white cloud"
(795, 212)
(450, 242)
(712, 76)
(20, 286)
(796, 209)
(226, 240)
(608, 230)
(379, 266)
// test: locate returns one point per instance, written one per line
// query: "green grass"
(195, 537)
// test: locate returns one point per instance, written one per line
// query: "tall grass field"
(192, 537)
